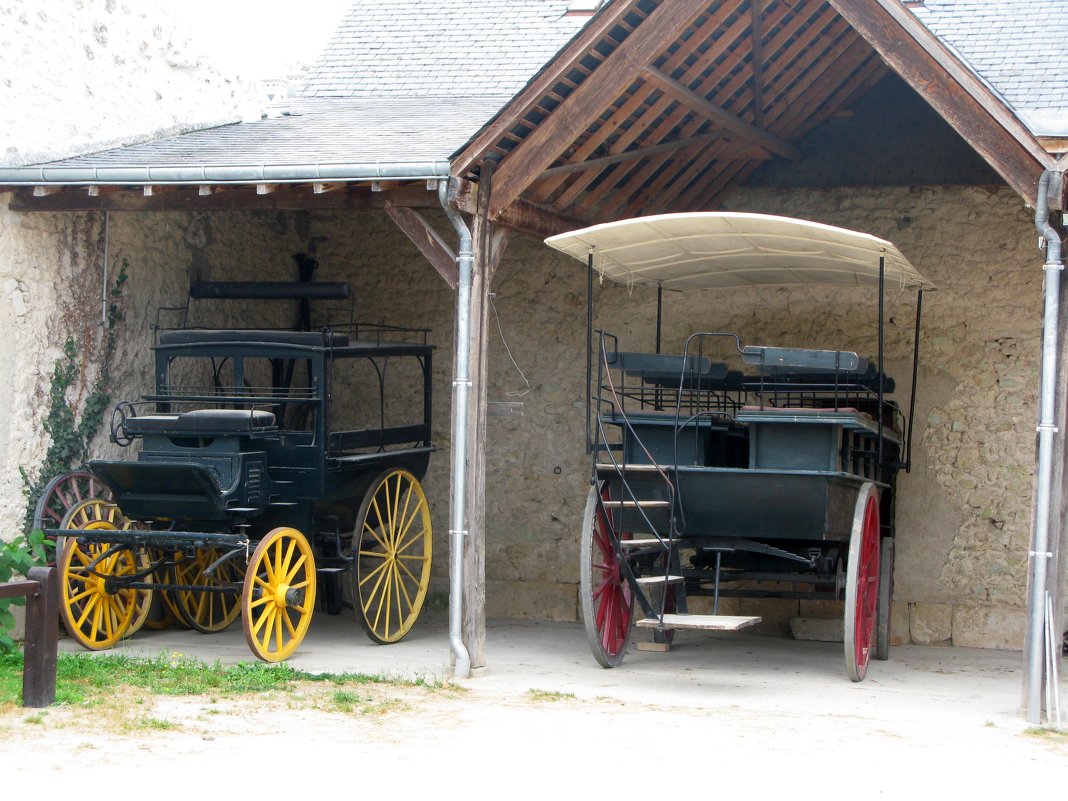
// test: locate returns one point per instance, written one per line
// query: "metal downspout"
(1046, 429)
(461, 388)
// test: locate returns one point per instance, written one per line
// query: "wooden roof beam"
(718, 116)
(556, 132)
(951, 89)
(630, 155)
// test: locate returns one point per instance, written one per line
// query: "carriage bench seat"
(666, 369)
(202, 421)
(805, 360)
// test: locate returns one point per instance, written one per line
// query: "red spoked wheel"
(606, 599)
(62, 494)
(862, 583)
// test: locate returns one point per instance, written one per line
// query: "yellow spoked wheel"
(94, 617)
(279, 594)
(391, 568)
(206, 609)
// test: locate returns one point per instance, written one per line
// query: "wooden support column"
(488, 248)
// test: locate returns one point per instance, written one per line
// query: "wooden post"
(41, 648)
(41, 591)
(487, 250)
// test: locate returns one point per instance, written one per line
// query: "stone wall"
(85, 75)
(963, 513)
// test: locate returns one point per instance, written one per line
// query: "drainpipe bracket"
(1047, 427)
(1041, 554)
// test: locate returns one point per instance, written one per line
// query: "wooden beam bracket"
(427, 240)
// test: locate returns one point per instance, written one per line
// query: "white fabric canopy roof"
(721, 250)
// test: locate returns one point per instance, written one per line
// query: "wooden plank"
(427, 240)
(655, 647)
(236, 198)
(720, 117)
(952, 90)
(557, 131)
(700, 622)
(552, 74)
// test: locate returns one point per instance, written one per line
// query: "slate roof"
(1019, 47)
(317, 132)
(406, 81)
(457, 48)
(401, 82)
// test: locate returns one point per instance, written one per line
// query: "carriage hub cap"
(281, 595)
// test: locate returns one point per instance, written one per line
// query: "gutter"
(1047, 428)
(45, 175)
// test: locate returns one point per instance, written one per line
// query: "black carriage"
(277, 470)
(732, 469)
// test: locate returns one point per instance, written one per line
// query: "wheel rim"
(391, 567)
(62, 494)
(204, 608)
(279, 594)
(607, 601)
(94, 617)
(862, 583)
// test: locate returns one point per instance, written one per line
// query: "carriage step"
(702, 622)
(650, 542)
(652, 581)
(331, 570)
(638, 504)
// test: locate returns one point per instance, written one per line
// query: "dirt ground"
(753, 715)
(456, 742)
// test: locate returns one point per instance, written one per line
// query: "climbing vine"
(74, 415)
(73, 422)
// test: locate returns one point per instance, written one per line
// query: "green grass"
(85, 678)
(549, 695)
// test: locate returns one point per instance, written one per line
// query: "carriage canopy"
(724, 250)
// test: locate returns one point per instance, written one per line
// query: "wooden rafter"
(630, 155)
(951, 89)
(655, 111)
(756, 61)
(783, 19)
(542, 84)
(721, 118)
(544, 145)
(804, 34)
